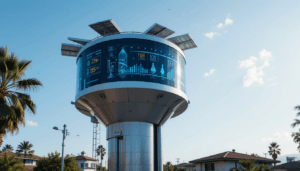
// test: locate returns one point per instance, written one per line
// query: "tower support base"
(134, 146)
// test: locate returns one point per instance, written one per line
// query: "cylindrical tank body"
(133, 83)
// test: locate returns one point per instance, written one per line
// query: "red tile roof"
(232, 156)
(85, 158)
(34, 157)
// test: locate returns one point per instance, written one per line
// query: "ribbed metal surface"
(159, 149)
(135, 149)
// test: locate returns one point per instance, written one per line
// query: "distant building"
(86, 163)
(186, 166)
(290, 159)
(29, 162)
(227, 160)
(290, 166)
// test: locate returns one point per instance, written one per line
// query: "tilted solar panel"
(159, 31)
(106, 27)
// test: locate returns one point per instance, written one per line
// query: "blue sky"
(241, 80)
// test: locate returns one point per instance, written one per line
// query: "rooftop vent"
(83, 153)
(233, 150)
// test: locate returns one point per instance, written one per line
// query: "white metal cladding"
(70, 49)
(183, 41)
(106, 27)
(80, 41)
(159, 31)
(134, 36)
(125, 102)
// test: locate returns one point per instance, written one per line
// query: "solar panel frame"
(70, 49)
(79, 41)
(184, 41)
(106, 27)
(159, 30)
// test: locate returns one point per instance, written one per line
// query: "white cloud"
(210, 35)
(228, 21)
(248, 62)
(209, 73)
(274, 84)
(220, 25)
(270, 79)
(255, 73)
(31, 123)
(264, 54)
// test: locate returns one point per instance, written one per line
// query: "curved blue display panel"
(130, 60)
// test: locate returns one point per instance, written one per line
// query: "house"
(86, 163)
(227, 160)
(29, 162)
(290, 166)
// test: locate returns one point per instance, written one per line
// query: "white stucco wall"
(84, 162)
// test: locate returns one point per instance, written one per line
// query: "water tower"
(133, 82)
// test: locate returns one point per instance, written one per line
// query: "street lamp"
(65, 133)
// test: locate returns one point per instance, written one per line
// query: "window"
(86, 165)
(93, 165)
(209, 166)
(82, 165)
(29, 161)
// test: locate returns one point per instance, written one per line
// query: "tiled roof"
(232, 156)
(34, 157)
(85, 158)
(288, 166)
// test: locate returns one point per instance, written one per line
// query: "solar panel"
(106, 27)
(185, 41)
(80, 41)
(159, 31)
(70, 49)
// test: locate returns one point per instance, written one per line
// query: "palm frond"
(28, 84)
(3, 53)
(297, 107)
(297, 122)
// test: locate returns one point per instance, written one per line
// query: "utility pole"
(177, 160)
(265, 155)
(65, 133)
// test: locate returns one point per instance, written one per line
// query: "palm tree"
(247, 164)
(296, 136)
(25, 149)
(297, 121)
(8, 147)
(11, 164)
(101, 151)
(168, 166)
(274, 150)
(12, 102)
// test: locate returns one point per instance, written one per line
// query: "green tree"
(274, 150)
(101, 152)
(168, 166)
(11, 164)
(25, 149)
(8, 147)
(13, 103)
(296, 135)
(53, 163)
(248, 165)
